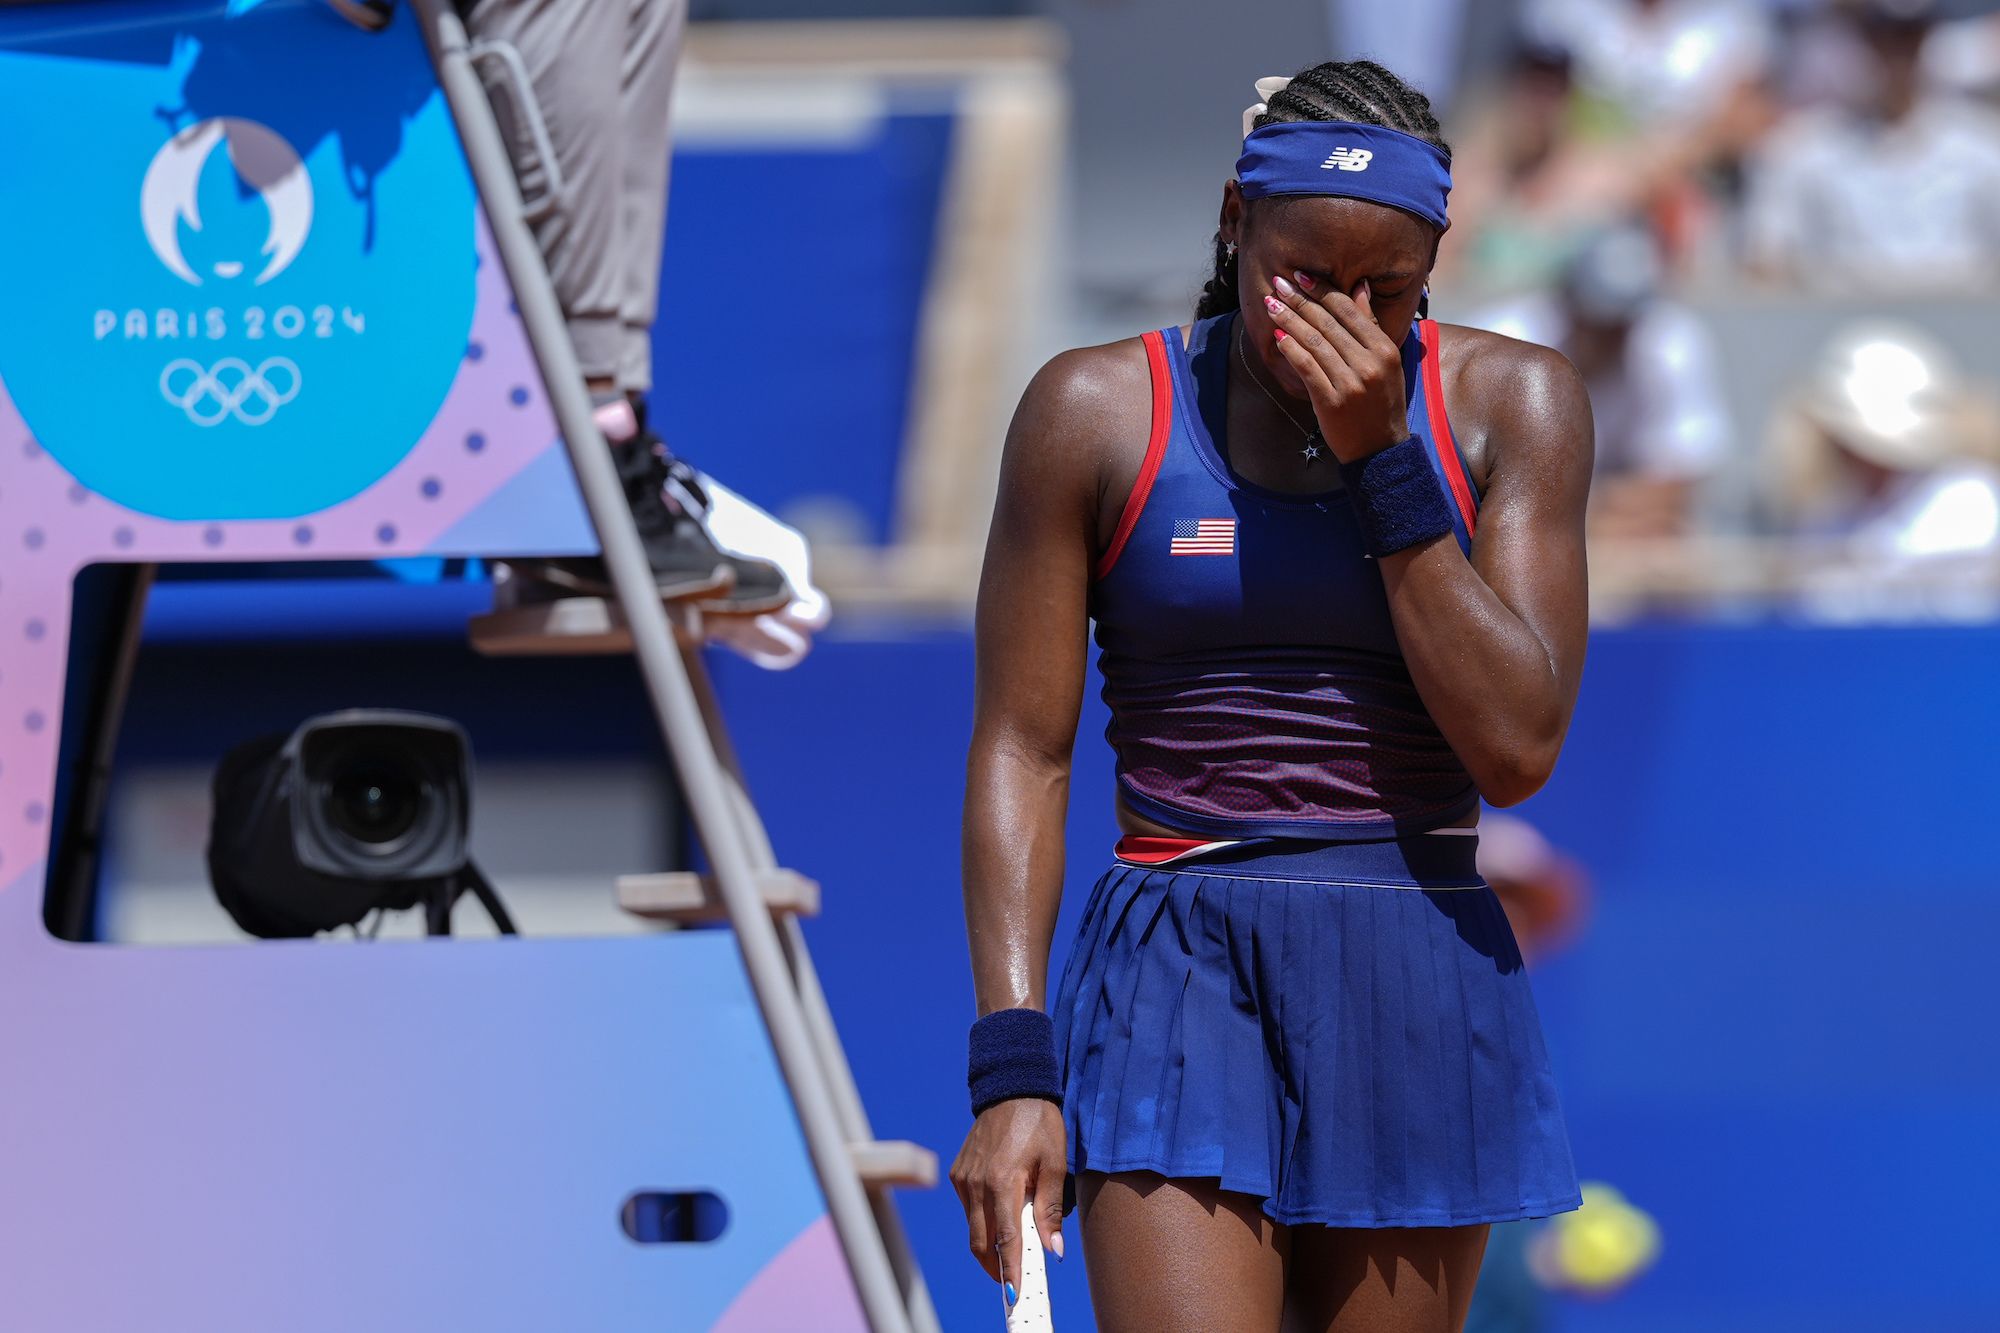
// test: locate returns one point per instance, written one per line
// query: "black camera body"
(353, 811)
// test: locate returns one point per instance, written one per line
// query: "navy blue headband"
(1335, 157)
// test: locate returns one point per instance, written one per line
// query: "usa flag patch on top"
(1203, 536)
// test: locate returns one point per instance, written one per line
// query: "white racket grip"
(1031, 1313)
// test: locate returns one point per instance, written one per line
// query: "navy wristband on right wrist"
(1396, 497)
(1012, 1053)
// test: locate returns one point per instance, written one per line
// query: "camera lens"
(373, 796)
(374, 805)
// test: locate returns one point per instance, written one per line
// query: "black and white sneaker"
(685, 560)
(760, 585)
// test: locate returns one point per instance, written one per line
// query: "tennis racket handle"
(1031, 1313)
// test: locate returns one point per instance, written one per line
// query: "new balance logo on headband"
(1348, 159)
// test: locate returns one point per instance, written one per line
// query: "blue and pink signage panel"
(250, 310)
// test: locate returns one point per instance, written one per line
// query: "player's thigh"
(1387, 1280)
(1167, 1256)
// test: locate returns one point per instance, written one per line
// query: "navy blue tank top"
(1249, 659)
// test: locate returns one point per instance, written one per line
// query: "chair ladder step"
(895, 1164)
(686, 898)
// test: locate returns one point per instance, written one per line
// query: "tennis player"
(1334, 555)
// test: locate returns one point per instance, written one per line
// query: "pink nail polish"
(1273, 304)
(1303, 281)
(1282, 286)
(1056, 1244)
(1280, 334)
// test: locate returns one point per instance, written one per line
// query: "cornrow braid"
(1360, 91)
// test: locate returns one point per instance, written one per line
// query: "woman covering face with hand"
(1334, 557)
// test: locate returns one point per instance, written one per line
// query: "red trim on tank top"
(1156, 450)
(1441, 436)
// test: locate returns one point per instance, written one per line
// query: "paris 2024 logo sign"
(230, 388)
(227, 318)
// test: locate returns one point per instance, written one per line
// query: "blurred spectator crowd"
(1685, 194)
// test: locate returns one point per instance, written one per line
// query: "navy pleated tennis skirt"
(1343, 1031)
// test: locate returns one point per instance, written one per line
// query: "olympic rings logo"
(230, 388)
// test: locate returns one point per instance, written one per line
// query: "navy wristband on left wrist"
(1012, 1053)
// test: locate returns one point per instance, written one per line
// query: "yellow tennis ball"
(1604, 1244)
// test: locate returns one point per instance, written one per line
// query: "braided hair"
(1360, 91)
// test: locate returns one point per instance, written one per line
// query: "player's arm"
(1033, 630)
(1495, 644)
(1033, 626)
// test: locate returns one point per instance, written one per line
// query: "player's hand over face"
(1351, 369)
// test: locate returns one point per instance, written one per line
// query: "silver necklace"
(1312, 449)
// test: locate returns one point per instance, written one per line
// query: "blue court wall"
(784, 353)
(1774, 1034)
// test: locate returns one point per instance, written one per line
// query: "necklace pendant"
(1311, 451)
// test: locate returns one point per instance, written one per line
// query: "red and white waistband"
(1138, 851)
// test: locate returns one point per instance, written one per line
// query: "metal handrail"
(702, 779)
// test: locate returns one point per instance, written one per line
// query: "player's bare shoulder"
(1084, 420)
(1503, 393)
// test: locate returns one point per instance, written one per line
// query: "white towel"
(778, 639)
